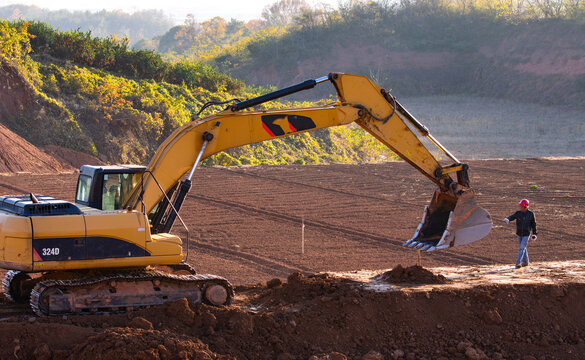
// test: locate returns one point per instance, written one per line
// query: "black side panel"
(177, 203)
(80, 248)
(57, 249)
(105, 247)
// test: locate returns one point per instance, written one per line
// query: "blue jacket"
(525, 221)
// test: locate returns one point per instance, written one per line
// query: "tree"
(284, 12)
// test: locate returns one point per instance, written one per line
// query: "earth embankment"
(18, 155)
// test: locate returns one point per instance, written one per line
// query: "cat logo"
(280, 124)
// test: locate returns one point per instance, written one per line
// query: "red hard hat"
(524, 203)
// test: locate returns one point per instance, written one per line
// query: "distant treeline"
(387, 20)
(136, 26)
(409, 24)
(490, 45)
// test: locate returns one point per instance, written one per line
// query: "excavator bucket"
(451, 221)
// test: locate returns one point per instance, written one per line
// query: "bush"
(112, 54)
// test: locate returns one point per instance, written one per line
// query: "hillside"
(420, 49)
(97, 96)
(18, 155)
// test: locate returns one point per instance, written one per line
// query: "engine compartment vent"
(43, 206)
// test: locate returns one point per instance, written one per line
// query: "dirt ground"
(245, 224)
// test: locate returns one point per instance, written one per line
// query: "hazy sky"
(177, 9)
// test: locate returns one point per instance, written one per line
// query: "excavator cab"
(107, 187)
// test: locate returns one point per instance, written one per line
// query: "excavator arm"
(453, 218)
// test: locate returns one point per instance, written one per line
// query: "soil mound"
(71, 157)
(413, 275)
(299, 288)
(18, 155)
(126, 343)
(327, 318)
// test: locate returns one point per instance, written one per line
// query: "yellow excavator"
(112, 249)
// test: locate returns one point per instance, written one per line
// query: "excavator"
(112, 249)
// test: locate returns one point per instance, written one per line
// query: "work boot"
(518, 266)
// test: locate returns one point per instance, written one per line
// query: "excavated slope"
(18, 155)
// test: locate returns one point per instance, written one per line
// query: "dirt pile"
(322, 317)
(413, 275)
(71, 157)
(18, 155)
(131, 343)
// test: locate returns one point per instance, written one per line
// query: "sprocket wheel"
(14, 287)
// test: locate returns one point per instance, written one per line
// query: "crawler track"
(122, 291)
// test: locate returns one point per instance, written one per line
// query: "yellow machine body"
(91, 240)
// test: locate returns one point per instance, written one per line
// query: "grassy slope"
(123, 118)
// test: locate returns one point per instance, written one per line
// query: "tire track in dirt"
(499, 171)
(11, 187)
(312, 186)
(376, 238)
(263, 262)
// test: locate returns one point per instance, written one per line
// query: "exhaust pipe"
(449, 221)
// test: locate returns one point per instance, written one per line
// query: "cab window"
(83, 188)
(117, 189)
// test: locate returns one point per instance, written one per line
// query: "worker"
(525, 221)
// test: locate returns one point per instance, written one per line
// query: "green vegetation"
(15, 47)
(99, 96)
(421, 25)
(123, 119)
(447, 46)
(46, 120)
(112, 54)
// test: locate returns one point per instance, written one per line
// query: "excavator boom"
(451, 219)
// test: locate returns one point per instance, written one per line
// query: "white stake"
(303, 235)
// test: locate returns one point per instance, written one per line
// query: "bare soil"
(411, 275)
(18, 155)
(73, 159)
(245, 224)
